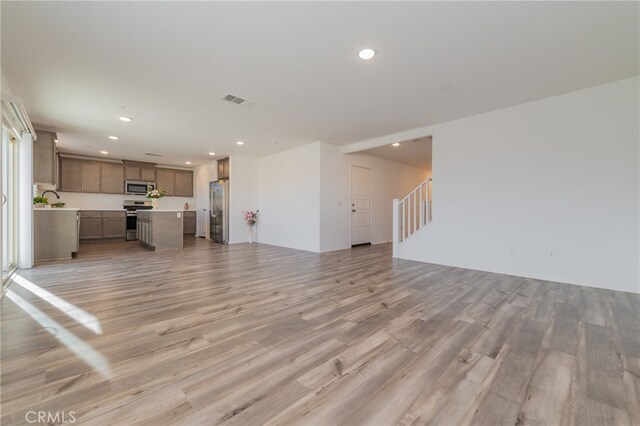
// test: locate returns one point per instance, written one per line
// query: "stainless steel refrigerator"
(219, 211)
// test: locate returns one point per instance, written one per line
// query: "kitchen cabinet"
(148, 173)
(223, 168)
(114, 228)
(55, 233)
(79, 175)
(165, 179)
(82, 175)
(189, 222)
(90, 228)
(96, 224)
(90, 176)
(44, 159)
(160, 230)
(111, 178)
(175, 182)
(183, 183)
(145, 172)
(70, 172)
(143, 231)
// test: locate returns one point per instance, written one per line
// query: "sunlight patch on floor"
(77, 314)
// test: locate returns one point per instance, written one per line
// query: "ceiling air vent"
(151, 154)
(238, 100)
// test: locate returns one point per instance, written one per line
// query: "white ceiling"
(169, 63)
(414, 152)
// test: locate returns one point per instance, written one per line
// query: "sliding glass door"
(8, 157)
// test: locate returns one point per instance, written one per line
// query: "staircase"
(411, 214)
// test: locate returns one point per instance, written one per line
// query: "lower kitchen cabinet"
(90, 228)
(144, 232)
(160, 230)
(96, 224)
(55, 233)
(114, 228)
(189, 222)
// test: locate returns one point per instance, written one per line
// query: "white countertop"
(48, 209)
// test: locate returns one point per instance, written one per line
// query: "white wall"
(242, 195)
(560, 174)
(4, 83)
(304, 196)
(389, 180)
(288, 195)
(210, 170)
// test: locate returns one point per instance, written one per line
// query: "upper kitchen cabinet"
(184, 183)
(223, 168)
(70, 174)
(80, 175)
(165, 179)
(44, 158)
(90, 176)
(112, 178)
(175, 182)
(145, 172)
(148, 173)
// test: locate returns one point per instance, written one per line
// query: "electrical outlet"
(551, 254)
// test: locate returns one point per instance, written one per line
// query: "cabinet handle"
(4, 199)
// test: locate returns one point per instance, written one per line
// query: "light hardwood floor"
(255, 334)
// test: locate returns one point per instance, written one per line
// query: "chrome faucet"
(53, 192)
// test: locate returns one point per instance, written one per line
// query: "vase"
(154, 203)
(250, 234)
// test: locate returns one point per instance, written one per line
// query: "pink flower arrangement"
(251, 218)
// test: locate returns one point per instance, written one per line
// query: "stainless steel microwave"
(134, 187)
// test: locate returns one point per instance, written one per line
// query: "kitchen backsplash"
(86, 201)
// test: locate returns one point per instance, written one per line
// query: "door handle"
(4, 199)
(353, 210)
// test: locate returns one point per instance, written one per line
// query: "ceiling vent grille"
(238, 100)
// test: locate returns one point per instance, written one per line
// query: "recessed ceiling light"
(125, 119)
(114, 138)
(56, 140)
(240, 143)
(367, 54)
(104, 152)
(187, 162)
(396, 144)
(212, 153)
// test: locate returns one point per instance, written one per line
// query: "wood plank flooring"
(253, 334)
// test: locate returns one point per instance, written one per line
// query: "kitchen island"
(55, 233)
(160, 229)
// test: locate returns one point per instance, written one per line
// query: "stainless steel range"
(132, 207)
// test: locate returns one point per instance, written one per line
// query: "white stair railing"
(411, 213)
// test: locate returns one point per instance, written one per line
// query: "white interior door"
(360, 205)
(202, 204)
